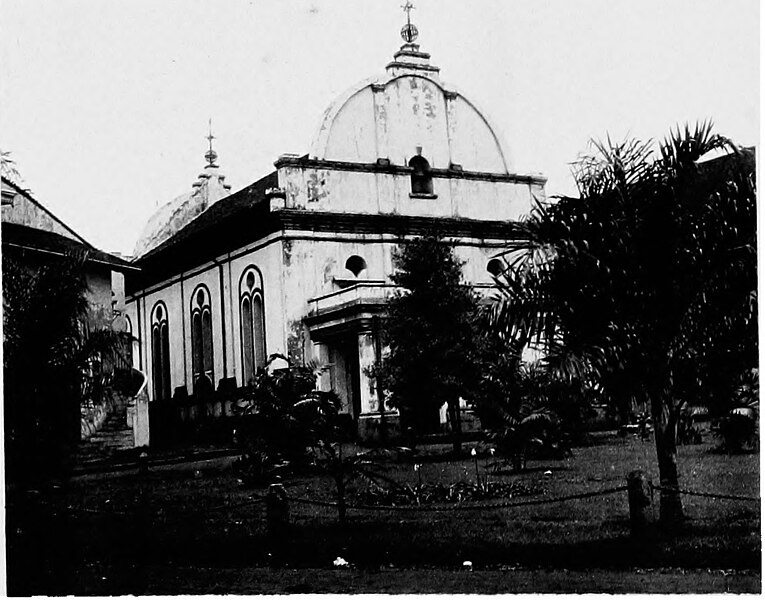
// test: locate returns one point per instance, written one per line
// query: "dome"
(408, 107)
(173, 216)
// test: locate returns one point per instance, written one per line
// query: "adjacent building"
(33, 236)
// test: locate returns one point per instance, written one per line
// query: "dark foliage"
(648, 279)
(52, 363)
(737, 432)
(430, 333)
(290, 426)
(738, 426)
(283, 417)
(530, 410)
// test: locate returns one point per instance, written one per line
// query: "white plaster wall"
(210, 278)
(268, 260)
(25, 212)
(293, 271)
(353, 138)
(131, 312)
(310, 266)
(383, 193)
(416, 116)
(171, 296)
(410, 110)
(99, 295)
(475, 261)
(472, 142)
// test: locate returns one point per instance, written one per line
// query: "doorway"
(344, 373)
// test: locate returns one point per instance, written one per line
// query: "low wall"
(138, 412)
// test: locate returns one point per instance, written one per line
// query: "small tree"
(430, 334)
(8, 167)
(287, 424)
(649, 278)
(49, 354)
(529, 407)
(274, 432)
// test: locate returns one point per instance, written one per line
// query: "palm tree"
(648, 279)
(48, 358)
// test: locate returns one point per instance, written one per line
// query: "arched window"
(252, 319)
(355, 264)
(127, 345)
(495, 267)
(160, 352)
(422, 180)
(202, 340)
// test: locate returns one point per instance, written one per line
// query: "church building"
(298, 263)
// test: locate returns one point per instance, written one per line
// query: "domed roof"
(172, 216)
(392, 114)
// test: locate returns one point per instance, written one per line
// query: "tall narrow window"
(127, 346)
(422, 180)
(252, 321)
(201, 340)
(160, 352)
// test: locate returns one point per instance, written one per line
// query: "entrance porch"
(345, 331)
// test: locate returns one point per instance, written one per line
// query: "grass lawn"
(177, 530)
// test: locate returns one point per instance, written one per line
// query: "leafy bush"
(737, 432)
(54, 361)
(528, 410)
(282, 416)
(737, 429)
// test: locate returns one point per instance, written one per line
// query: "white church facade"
(299, 262)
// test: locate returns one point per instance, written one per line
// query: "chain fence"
(706, 494)
(255, 499)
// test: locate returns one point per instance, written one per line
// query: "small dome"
(391, 115)
(176, 214)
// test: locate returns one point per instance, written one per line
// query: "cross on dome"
(408, 32)
(211, 155)
(408, 7)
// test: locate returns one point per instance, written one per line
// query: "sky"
(104, 105)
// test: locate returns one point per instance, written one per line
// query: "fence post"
(143, 463)
(277, 509)
(639, 495)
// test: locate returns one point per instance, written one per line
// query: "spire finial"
(408, 32)
(211, 155)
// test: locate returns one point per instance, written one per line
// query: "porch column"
(367, 358)
(324, 378)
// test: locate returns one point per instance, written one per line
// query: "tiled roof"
(21, 191)
(21, 237)
(226, 210)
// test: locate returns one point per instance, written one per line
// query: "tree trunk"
(665, 430)
(340, 482)
(456, 419)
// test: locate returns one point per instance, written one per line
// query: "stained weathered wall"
(19, 209)
(99, 281)
(391, 116)
(374, 192)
